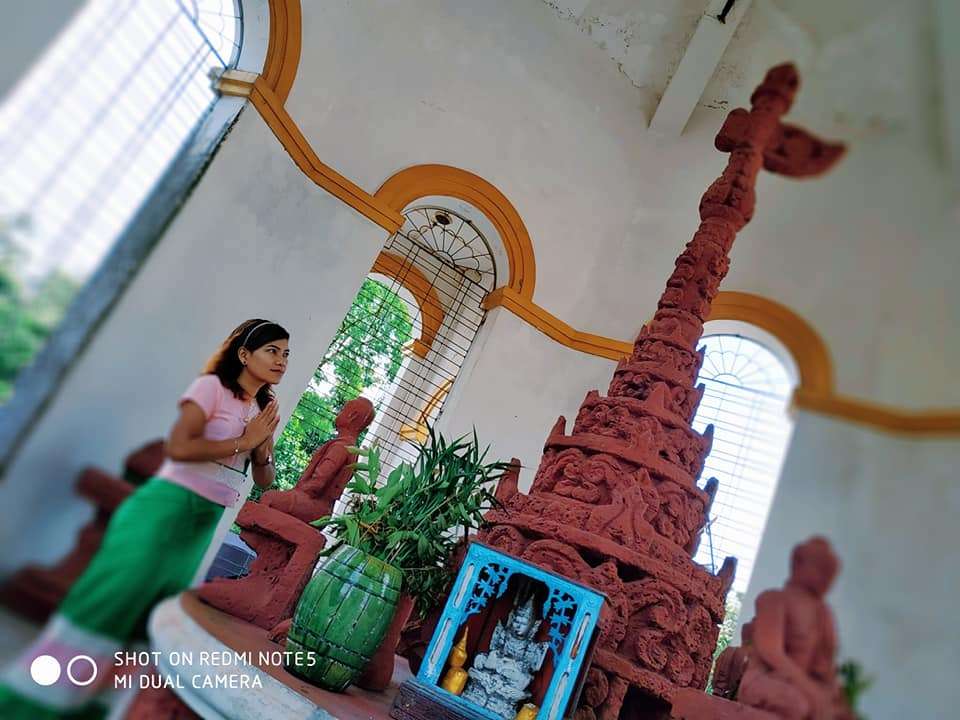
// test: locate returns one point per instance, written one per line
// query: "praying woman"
(158, 536)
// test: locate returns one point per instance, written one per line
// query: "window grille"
(746, 399)
(85, 137)
(426, 288)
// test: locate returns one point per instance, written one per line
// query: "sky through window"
(92, 127)
(747, 398)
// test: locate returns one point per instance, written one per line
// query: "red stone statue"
(329, 471)
(35, 591)
(730, 666)
(615, 503)
(787, 663)
(277, 529)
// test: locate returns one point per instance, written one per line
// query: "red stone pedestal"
(35, 591)
(379, 671)
(690, 704)
(287, 551)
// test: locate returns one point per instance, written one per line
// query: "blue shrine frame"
(571, 612)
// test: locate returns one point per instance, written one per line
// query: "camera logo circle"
(81, 670)
(85, 681)
(45, 670)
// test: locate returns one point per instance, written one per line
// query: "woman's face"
(268, 362)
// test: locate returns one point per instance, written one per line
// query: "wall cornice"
(283, 47)
(815, 393)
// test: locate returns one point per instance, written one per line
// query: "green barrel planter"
(342, 617)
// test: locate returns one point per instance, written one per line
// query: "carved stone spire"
(615, 504)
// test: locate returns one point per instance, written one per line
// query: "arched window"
(747, 396)
(85, 138)
(402, 342)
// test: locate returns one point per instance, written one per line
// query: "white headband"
(254, 329)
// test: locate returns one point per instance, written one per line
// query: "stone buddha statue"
(499, 678)
(787, 665)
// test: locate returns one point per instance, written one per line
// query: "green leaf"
(423, 547)
(388, 492)
(351, 530)
(374, 461)
(359, 485)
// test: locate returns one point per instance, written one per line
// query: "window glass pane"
(85, 137)
(746, 399)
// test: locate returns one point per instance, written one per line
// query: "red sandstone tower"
(615, 504)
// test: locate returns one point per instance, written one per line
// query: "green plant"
(727, 630)
(413, 519)
(854, 682)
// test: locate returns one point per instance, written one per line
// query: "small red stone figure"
(730, 666)
(329, 471)
(616, 504)
(791, 643)
(35, 591)
(277, 529)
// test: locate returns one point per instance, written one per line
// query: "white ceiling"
(870, 66)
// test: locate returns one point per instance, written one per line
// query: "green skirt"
(153, 546)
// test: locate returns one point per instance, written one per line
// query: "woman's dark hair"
(225, 363)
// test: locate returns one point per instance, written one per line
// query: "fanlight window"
(402, 343)
(85, 137)
(747, 399)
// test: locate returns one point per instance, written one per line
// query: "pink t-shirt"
(224, 480)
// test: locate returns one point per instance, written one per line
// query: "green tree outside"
(26, 319)
(366, 352)
(727, 629)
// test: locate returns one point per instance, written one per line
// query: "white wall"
(28, 29)
(890, 507)
(255, 239)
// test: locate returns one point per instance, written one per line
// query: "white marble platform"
(182, 626)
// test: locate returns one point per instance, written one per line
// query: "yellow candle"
(456, 677)
(527, 712)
